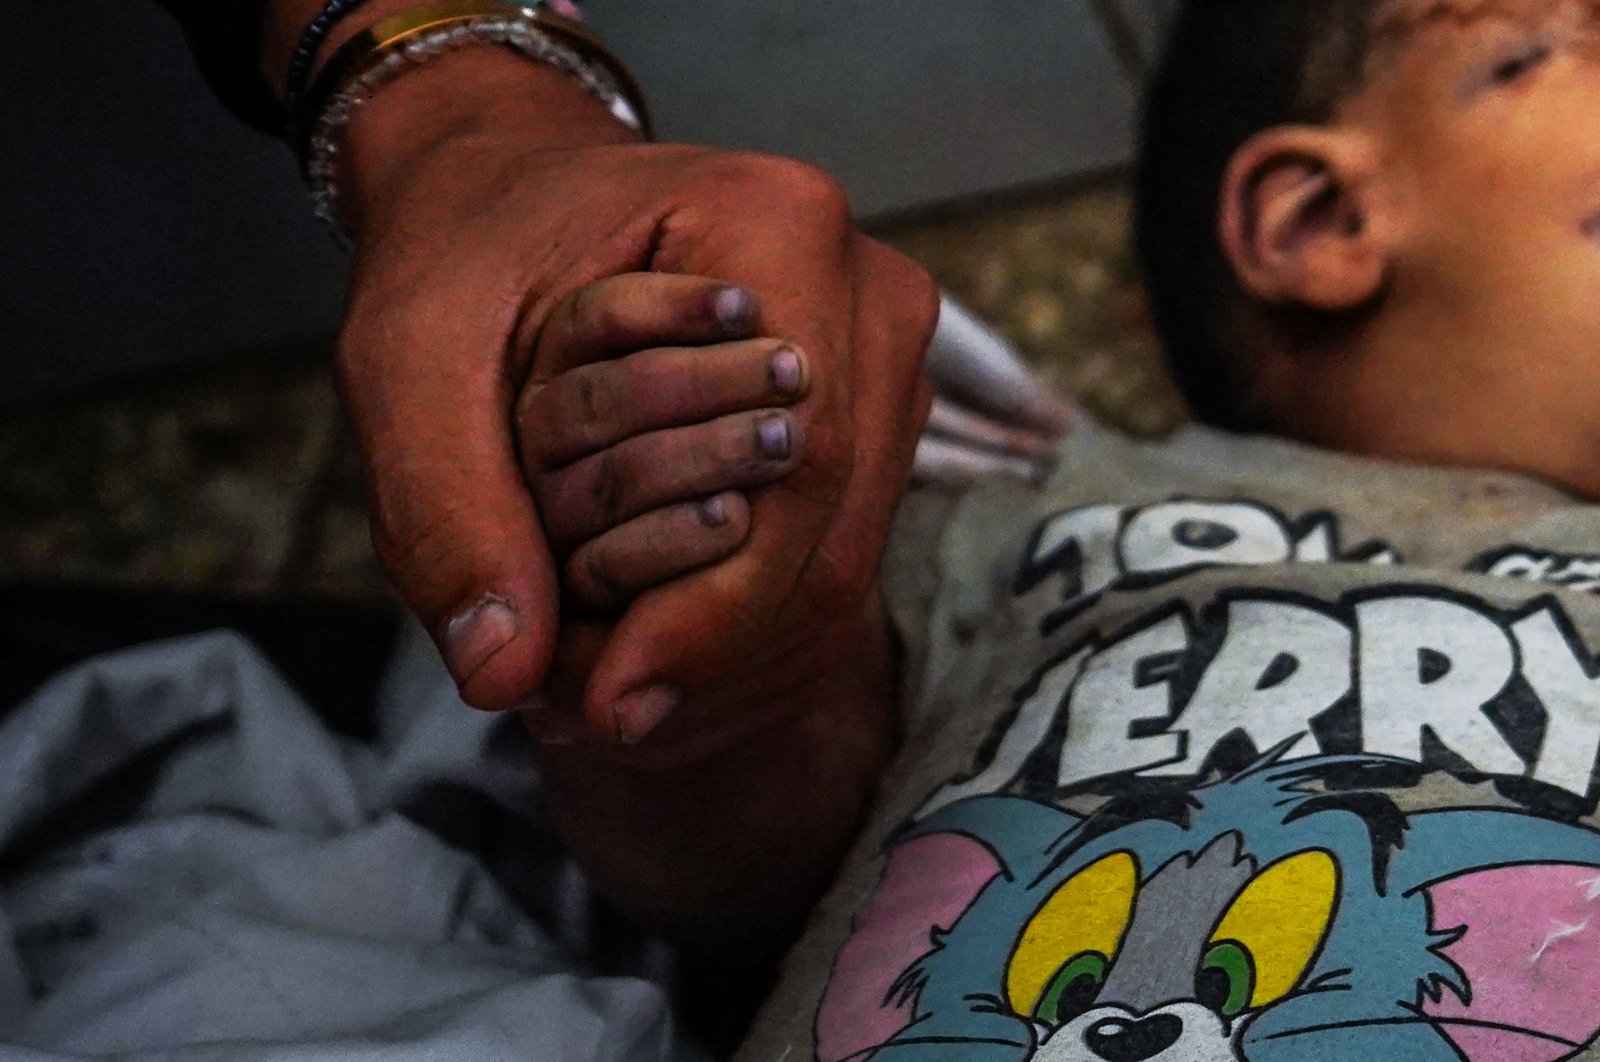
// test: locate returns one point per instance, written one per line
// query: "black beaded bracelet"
(298, 81)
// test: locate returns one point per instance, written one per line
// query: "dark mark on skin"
(1404, 18)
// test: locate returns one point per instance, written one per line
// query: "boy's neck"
(1417, 386)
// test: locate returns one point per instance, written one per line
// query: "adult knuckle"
(924, 294)
(922, 303)
(800, 184)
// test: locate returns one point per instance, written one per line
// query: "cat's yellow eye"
(1087, 915)
(1269, 934)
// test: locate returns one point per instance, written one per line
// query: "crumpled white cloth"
(192, 867)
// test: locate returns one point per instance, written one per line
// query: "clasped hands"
(513, 246)
(653, 417)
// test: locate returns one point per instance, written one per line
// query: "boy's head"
(1375, 224)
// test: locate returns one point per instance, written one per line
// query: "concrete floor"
(244, 481)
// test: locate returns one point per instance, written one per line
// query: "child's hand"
(779, 704)
(731, 647)
(638, 464)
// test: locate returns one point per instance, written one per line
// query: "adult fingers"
(452, 520)
(595, 494)
(897, 309)
(606, 573)
(634, 311)
(595, 406)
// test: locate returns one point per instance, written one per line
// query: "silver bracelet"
(518, 31)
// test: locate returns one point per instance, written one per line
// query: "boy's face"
(1486, 119)
(1491, 109)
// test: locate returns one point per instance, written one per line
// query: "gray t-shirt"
(1226, 749)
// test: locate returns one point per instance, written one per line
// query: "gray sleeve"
(224, 36)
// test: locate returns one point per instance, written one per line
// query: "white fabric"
(192, 867)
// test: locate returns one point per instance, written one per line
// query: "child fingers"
(637, 310)
(583, 411)
(648, 471)
(605, 574)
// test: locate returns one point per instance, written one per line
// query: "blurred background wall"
(146, 229)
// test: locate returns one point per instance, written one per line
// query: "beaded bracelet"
(384, 51)
(298, 77)
(297, 80)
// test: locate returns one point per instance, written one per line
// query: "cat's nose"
(1132, 1039)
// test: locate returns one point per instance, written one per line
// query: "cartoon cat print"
(1270, 916)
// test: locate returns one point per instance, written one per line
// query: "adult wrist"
(475, 95)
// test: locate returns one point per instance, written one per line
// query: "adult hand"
(483, 192)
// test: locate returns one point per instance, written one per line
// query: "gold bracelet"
(387, 38)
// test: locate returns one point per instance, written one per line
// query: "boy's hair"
(1231, 69)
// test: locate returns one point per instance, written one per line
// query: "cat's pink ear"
(1531, 952)
(928, 884)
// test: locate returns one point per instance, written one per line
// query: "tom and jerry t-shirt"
(1227, 749)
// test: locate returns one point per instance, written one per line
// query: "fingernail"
(640, 712)
(788, 373)
(772, 436)
(714, 511)
(473, 636)
(735, 309)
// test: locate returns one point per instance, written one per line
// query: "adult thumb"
(453, 522)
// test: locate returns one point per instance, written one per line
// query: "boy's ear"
(1300, 221)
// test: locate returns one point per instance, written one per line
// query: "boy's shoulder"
(1116, 506)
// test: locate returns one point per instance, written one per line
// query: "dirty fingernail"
(772, 436)
(735, 309)
(788, 373)
(640, 712)
(472, 637)
(714, 511)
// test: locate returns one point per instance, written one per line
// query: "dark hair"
(1231, 69)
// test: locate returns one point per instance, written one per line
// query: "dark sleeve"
(224, 34)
